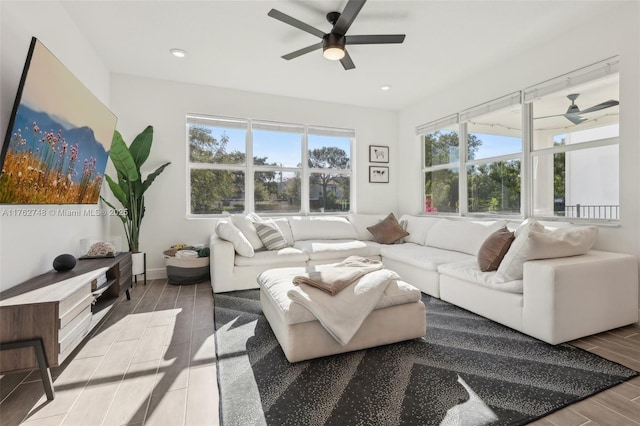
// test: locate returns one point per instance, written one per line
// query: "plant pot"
(138, 263)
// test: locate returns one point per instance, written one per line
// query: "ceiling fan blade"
(346, 62)
(347, 16)
(551, 116)
(375, 39)
(607, 104)
(575, 119)
(295, 23)
(302, 51)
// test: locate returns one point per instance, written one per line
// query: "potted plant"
(130, 188)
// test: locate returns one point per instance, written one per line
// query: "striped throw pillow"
(270, 234)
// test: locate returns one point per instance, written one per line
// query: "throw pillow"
(403, 225)
(245, 225)
(533, 245)
(229, 232)
(270, 234)
(494, 248)
(388, 230)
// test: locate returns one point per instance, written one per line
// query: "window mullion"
(304, 175)
(463, 198)
(526, 166)
(249, 182)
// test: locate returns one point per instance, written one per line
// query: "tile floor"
(152, 362)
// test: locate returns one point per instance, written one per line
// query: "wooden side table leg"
(43, 366)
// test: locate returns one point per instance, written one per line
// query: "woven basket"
(187, 271)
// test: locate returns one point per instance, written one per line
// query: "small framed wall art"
(378, 174)
(378, 154)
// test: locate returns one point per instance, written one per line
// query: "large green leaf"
(122, 217)
(118, 192)
(147, 183)
(141, 146)
(122, 159)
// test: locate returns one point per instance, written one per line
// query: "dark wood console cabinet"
(60, 309)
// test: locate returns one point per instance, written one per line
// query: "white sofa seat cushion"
(332, 249)
(321, 228)
(277, 282)
(465, 236)
(468, 270)
(273, 257)
(428, 258)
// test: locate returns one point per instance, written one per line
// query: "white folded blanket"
(343, 314)
(340, 275)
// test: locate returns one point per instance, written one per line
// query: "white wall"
(614, 34)
(139, 102)
(28, 245)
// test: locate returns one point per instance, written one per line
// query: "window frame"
(249, 168)
(527, 155)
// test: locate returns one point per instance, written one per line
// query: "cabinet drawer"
(73, 322)
(74, 298)
(73, 336)
(67, 317)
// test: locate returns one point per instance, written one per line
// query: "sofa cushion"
(428, 258)
(465, 236)
(418, 227)
(388, 230)
(273, 258)
(285, 228)
(532, 244)
(229, 232)
(321, 228)
(270, 234)
(332, 249)
(245, 224)
(469, 270)
(361, 222)
(494, 248)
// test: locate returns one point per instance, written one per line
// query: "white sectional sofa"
(556, 300)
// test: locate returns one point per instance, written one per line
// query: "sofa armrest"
(222, 260)
(572, 297)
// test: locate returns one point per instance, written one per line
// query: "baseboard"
(156, 274)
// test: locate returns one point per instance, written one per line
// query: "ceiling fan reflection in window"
(574, 114)
(334, 43)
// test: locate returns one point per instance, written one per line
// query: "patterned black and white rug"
(468, 370)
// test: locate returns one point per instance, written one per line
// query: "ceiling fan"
(574, 113)
(334, 43)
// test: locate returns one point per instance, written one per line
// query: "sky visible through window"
(282, 148)
(497, 145)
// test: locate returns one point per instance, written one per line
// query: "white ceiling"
(234, 44)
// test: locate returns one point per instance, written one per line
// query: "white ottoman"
(399, 315)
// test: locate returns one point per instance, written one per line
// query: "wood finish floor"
(152, 362)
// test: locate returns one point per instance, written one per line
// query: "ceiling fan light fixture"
(333, 47)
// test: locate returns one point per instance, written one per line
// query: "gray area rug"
(468, 370)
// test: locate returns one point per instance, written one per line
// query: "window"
(575, 159)
(474, 161)
(329, 161)
(294, 168)
(494, 154)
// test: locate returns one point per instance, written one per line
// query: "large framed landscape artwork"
(58, 139)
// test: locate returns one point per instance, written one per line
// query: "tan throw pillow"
(494, 248)
(387, 231)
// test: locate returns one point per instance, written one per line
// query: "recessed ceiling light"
(385, 87)
(178, 53)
